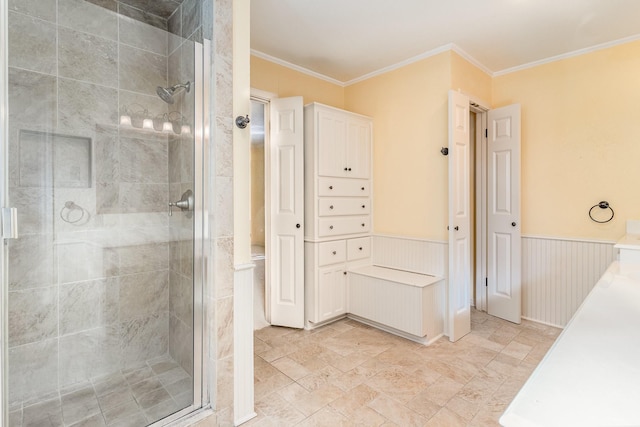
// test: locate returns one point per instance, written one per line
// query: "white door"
(286, 231)
(503, 216)
(459, 307)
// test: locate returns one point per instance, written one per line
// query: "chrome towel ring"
(67, 213)
(602, 205)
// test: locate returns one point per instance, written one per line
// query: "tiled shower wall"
(111, 286)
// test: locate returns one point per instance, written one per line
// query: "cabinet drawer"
(331, 252)
(343, 225)
(358, 248)
(343, 187)
(343, 206)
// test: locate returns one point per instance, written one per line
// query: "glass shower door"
(100, 132)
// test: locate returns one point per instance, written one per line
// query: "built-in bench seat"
(401, 302)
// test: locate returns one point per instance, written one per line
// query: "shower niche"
(64, 160)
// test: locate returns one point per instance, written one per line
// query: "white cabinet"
(344, 143)
(337, 207)
(326, 275)
(332, 292)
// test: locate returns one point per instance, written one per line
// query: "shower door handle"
(185, 203)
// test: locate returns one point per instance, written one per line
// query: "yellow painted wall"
(257, 194)
(580, 141)
(580, 133)
(470, 79)
(283, 81)
(409, 110)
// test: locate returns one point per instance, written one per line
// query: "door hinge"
(486, 282)
(486, 133)
(9, 227)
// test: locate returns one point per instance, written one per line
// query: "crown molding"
(567, 55)
(295, 67)
(448, 47)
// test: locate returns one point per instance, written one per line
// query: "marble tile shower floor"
(132, 398)
(348, 374)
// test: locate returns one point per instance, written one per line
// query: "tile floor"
(348, 374)
(132, 398)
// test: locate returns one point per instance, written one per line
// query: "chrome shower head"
(166, 93)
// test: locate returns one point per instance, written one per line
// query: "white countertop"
(591, 375)
(629, 241)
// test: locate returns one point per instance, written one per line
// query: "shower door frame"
(202, 259)
(4, 146)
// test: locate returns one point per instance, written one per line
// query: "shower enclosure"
(102, 286)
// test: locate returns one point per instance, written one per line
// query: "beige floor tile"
(290, 368)
(367, 417)
(354, 400)
(517, 350)
(325, 417)
(396, 412)
(319, 378)
(307, 352)
(477, 390)
(452, 368)
(465, 409)
(423, 405)
(397, 384)
(400, 357)
(346, 363)
(347, 373)
(315, 400)
(279, 410)
(353, 378)
(271, 385)
(446, 418)
(442, 390)
(292, 392)
(262, 369)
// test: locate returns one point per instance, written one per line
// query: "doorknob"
(513, 224)
(297, 225)
(455, 228)
(185, 203)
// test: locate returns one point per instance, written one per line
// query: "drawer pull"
(334, 252)
(349, 169)
(360, 248)
(345, 273)
(345, 169)
(363, 206)
(363, 224)
(331, 187)
(331, 207)
(362, 188)
(331, 227)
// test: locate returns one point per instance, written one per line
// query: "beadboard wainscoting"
(557, 273)
(243, 343)
(411, 254)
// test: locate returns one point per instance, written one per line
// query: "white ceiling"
(345, 40)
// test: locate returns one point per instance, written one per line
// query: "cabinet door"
(331, 140)
(358, 149)
(332, 292)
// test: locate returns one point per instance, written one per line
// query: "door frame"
(265, 98)
(480, 238)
